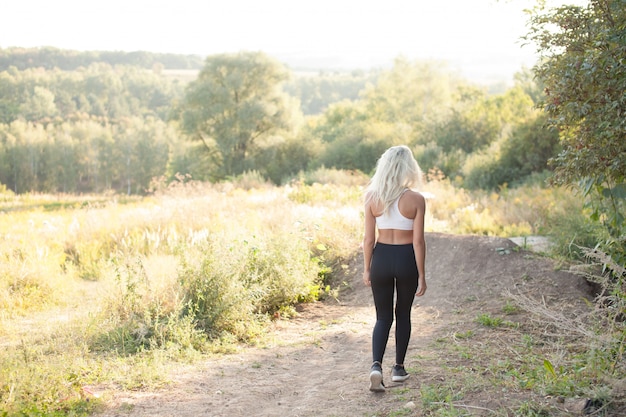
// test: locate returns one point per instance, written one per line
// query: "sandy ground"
(317, 364)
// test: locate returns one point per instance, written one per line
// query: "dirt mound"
(476, 270)
(317, 364)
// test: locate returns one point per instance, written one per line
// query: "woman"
(394, 262)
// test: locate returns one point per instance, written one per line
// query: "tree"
(583, 50)
(236, 101)
(411, 92)
(39, 105)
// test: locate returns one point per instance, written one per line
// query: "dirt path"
(317, 364)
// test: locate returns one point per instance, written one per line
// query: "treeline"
(99, 90)
(69, 60)
(94, 129)
(107, 127)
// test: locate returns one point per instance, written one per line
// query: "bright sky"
(481, 38)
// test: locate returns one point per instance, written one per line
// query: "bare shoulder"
(412, 203)
(416, 198)
(369, 205)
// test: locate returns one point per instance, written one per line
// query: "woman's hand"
(366, 278)
(421, 287)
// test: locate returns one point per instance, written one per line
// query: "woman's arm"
(369, 240)
(419, 243)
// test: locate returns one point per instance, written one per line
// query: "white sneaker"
(376, 378)
(399, 374)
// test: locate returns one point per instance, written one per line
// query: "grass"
(526, 368)
(102, 291)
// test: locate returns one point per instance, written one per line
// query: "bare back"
(411, 205)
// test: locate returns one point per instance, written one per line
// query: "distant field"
(181, 74)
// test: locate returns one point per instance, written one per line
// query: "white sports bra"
(393, 219)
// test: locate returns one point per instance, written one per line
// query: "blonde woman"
(395, 256)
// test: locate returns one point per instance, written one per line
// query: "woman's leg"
(382, 280)
(406, 286)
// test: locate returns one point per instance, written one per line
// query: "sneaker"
(399, 374)
(376, 378)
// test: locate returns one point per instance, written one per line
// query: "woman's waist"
(379, 243)
(395, 237)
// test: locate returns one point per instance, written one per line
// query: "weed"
(528, 409)
(433, 396)
(510, 308)
(489, 321)
(401, 412)
(468, 334)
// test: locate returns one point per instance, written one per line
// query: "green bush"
(234, 287)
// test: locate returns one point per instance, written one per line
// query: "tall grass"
(192, 269)
(557, 213)
(99, 291)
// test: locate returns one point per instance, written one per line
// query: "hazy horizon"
(477, 38)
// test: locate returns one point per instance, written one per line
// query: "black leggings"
(393, 268)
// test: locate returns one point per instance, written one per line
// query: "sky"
(479, 38)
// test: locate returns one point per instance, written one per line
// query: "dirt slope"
(317, 364)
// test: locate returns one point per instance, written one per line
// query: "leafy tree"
(236, 101)
(528, 150)
(396, 110)
(9, 93)
(150, 151)
(583, 53)
(284, 160)
(411, 92)
(531, 85)
(39, 105)
(317, 92)
(515, 158)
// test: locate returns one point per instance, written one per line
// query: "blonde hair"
(396, 170)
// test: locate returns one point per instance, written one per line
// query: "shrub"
(234, 287)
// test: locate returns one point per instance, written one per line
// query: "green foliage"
(349, 140)
(139, 320)
(411, 92)
(528, 150)
(316, 93)
(40, 389)
(583, 50)
(436, 396)
(98, 90)
(489, 321)
(528, 409)
(582, 69)
(233, 289)
(471, 125)
(235, 102)
(284, 159)
(250, 180)
(393, 111)
(510, 308)
(86, 156)
(103, 126)
(66, 60)
(607, 204)
(524, 153)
